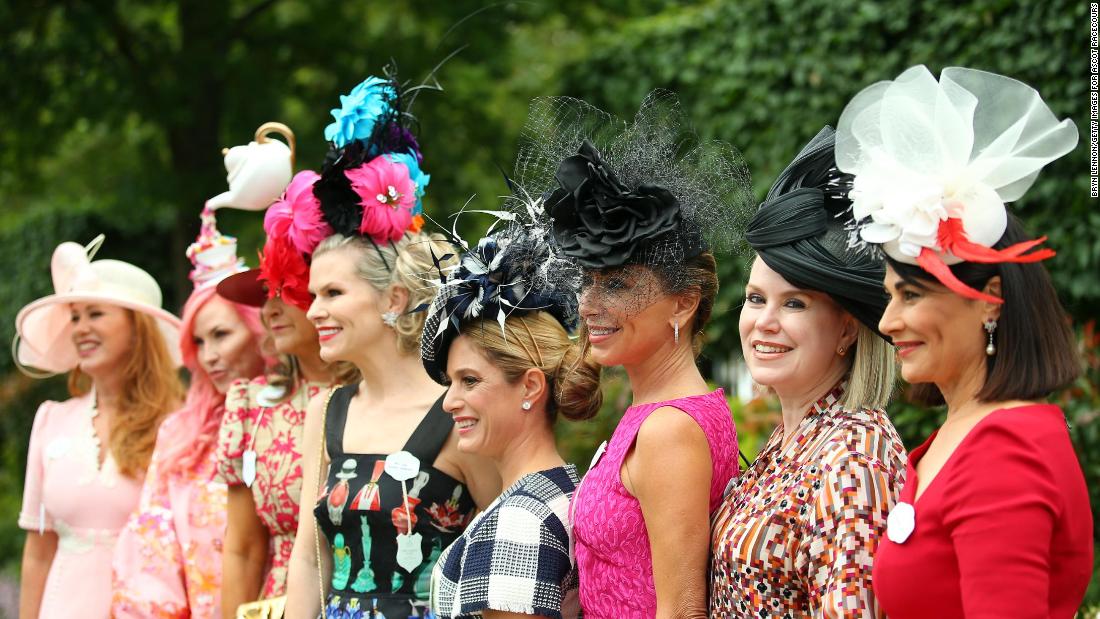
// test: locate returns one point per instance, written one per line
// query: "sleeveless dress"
(272, 432)
(612, 543)
(379, 565)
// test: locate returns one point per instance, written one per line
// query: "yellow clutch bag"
(271, 608)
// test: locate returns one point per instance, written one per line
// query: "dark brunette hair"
(1035, 348)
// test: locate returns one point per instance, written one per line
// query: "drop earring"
(990, 326)
(676, 333)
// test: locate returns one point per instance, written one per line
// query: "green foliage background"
(113, 112)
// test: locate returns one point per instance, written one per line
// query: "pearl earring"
(990, 326)
(526, 405)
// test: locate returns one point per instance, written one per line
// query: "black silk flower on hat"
(598, 220)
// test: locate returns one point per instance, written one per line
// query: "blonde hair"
(151, 389)
(407, 263)
(537, 340)
(872, 374)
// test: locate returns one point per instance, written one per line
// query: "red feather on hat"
(285, 273)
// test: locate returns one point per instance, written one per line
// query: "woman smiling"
(994, 519)
(639, 213)
(819, 492)
(497, 335)
(88, 455)
(385, 487)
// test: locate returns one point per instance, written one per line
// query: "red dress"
(1004, 529)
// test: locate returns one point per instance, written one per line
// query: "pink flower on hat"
(388, 196)
(296, 216)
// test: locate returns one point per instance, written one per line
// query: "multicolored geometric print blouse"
(385, 535)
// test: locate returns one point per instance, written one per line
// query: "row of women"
(392, 452)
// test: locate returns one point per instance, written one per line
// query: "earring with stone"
(990, 326)
(390, 318)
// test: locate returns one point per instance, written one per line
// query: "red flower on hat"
(285, 273)
(296, 216)
(388, 197)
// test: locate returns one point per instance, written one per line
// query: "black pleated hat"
(802, 231)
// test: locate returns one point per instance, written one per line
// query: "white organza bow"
(924, 151)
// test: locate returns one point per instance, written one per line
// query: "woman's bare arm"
(38, 553)
(669, 471)
(305, 575)
(245, 552)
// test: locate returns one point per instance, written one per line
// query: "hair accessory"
(526, 405)
(612, 193)
(390, 318)
(371, 184)
(935, 162)
(43, 328)
(990, 326)
(503, 276)
(257, 172)
(802, 230)
(213, 255)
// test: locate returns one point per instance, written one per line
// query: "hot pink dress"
(86, 504)
(168, 561)
(612, 543)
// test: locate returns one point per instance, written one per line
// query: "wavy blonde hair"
(407, 263)
(151, 389)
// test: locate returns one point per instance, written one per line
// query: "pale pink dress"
(168, 561)
(612, 544)
(86, 504)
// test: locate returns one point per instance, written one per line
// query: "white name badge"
(402, 465)
(270, 395)
(900, 523)
(409, 552)
(248, 467)
(599, 454)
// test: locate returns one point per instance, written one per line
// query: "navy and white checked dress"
(516, 556)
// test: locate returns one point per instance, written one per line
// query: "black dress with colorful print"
(364, 512)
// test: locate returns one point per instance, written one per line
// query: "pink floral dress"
(168, 562)
(612, 542)
(86, 504)
(270, 430)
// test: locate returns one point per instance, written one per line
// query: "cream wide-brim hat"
(44, 327)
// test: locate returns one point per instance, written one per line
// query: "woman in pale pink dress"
(88, 454)
(168, 558)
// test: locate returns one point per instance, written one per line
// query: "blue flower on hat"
(419, 177)
(359, 111)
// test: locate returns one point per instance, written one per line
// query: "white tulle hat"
(935, 162)
(43, 328)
